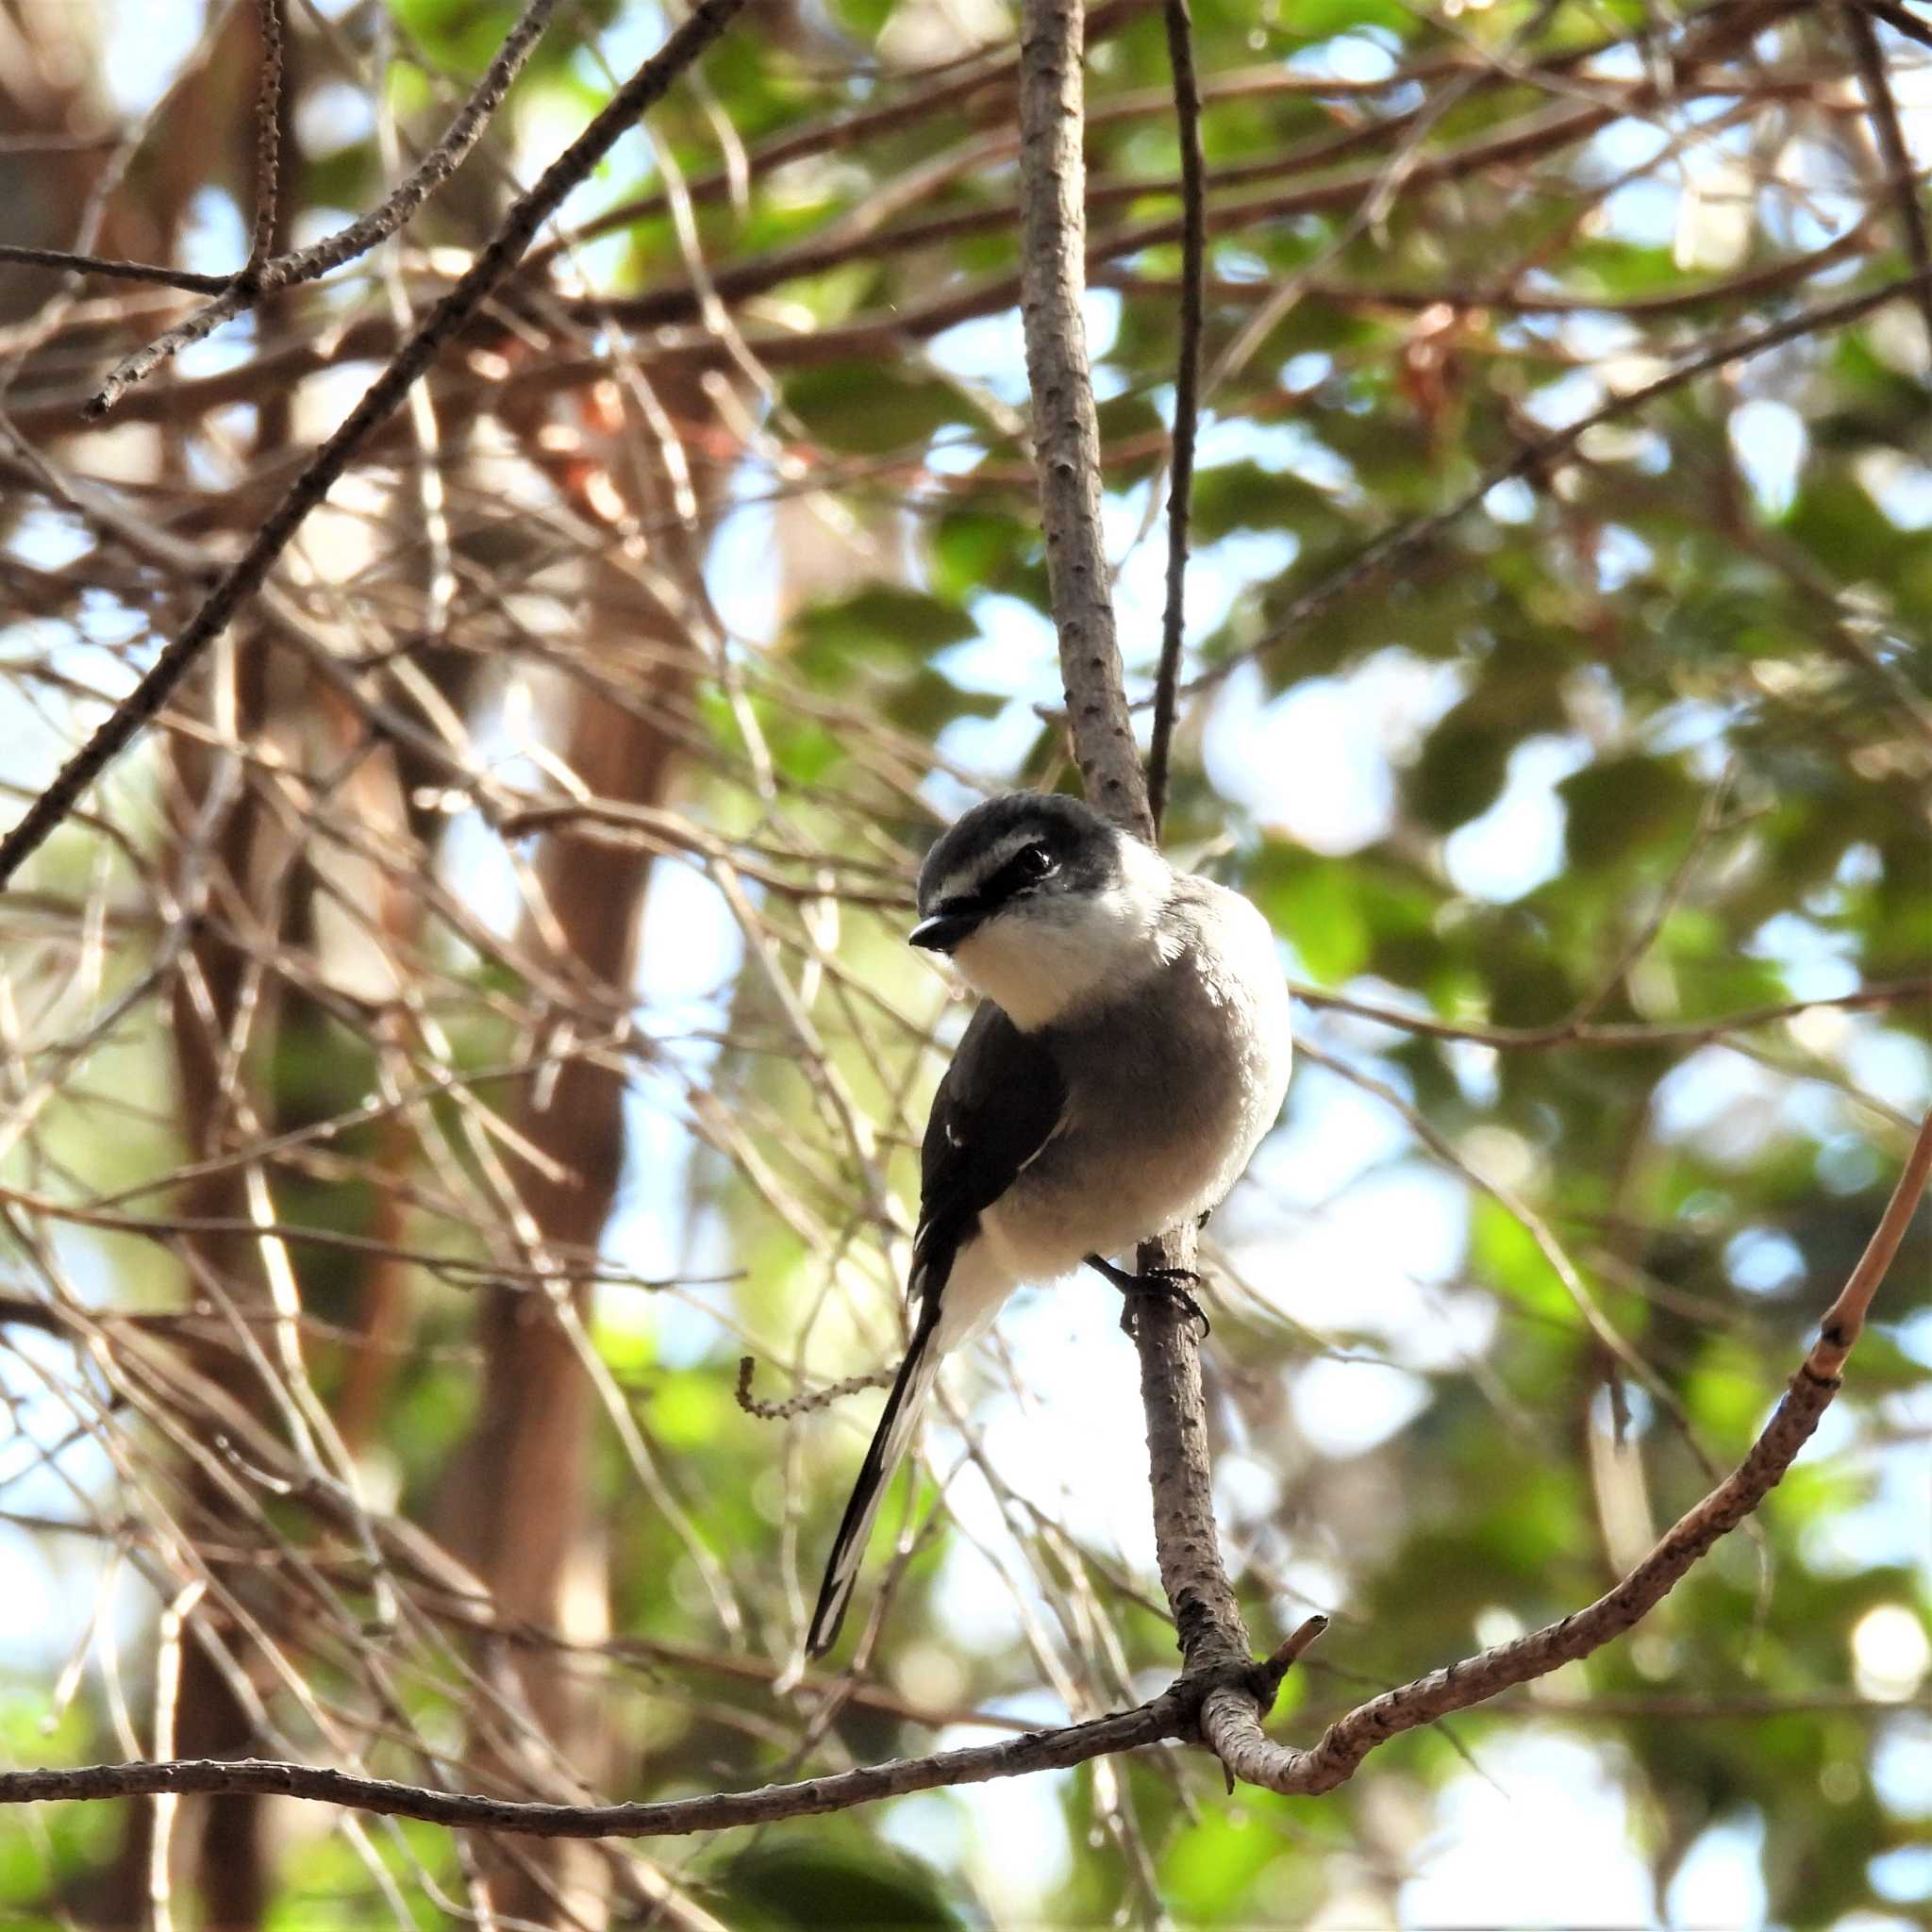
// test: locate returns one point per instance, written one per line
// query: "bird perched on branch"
(1130, 1049)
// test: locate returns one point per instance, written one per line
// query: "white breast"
(1171, 1088)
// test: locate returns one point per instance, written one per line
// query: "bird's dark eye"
(1033, 862)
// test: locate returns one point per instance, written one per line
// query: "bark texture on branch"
(1066, 431)
(1230, 1725)
(1053, 198)
(1223, 1706)
(1149, 1723)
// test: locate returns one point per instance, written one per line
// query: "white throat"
(1046, 957)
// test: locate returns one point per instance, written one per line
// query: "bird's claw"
(1171, 1285)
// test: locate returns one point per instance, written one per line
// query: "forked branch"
(1221, 1708)
(249, 572)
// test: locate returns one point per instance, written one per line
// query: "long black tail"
(890, 1439)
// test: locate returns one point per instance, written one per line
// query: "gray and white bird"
(1130, 1050)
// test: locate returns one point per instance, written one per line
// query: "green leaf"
(1505, 1253)
(1619, 807)
(874, 409)
(782, 1886)
(976, 550)
(1245, 496)
(884, 621)
(1314, 903)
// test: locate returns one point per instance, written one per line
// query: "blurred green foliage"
(1740, 687)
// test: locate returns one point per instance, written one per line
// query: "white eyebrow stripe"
(963, 880)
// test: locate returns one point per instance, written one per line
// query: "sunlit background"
(1376, 1273)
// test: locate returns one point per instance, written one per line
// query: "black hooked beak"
(957, 919)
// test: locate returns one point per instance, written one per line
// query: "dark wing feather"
(1000, 1103)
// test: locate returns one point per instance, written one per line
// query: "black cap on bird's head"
(1020, 847)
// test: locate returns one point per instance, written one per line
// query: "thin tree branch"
(886, 334)
(1891, 141)
(443, 160)
(1231, 1726)
(1166, 1717)
(741, 280)
(1066, 430)
(805, 1402)
(264, 275)
(1845, 1318)
(991, 73)
(268, 135)
(1229, 1721)
(1213, 1639)
(1187, 385)
(1222, 1708)
(1616, 1033)
(1767, 279)
(1207, 1619)
(1899, 20)
(119, 271)
(1532, 138)
(707, 21)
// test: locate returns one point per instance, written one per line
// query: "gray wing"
(1000, 1103)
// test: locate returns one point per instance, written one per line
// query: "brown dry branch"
(1187, 383)
(267, 137)
(1223, 1708)
(1898, 19)
(161, 276)
(264, 273)
(1066, 430)
(1888, 136)
(249, 572)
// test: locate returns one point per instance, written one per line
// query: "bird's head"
(1043, 906)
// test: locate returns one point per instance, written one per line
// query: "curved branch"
(1231, 1726)
(1166, 1717)
(1228, 1719)
(265, 274)
(1221, 1706)
(707, 21)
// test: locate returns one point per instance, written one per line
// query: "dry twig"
(1221, 1707)
(246, 575)
(1186, 384)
